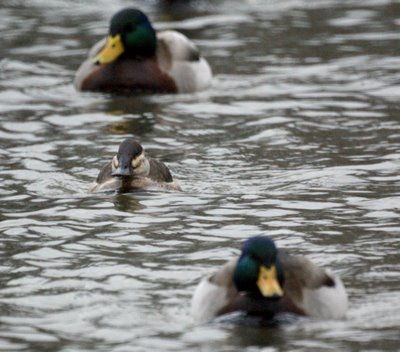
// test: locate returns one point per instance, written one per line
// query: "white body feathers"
(178, 61)
(207, 300)
(326, 302)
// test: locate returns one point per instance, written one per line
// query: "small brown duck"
(265, 281)
(131, 170)
(135, 59)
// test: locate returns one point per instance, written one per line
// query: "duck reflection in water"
(128, 203)
(131, 170)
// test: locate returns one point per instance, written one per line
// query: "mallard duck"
(136, 59)
(130, 169)
(265, 281)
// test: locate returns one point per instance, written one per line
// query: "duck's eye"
(129, 27)
(115, 162)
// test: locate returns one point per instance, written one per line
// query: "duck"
(265, 281)
(131, 170)
(135, 59)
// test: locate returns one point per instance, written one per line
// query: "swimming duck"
(130, 169)
(136, 59)
(265, 281)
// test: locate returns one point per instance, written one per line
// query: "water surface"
(298, 138)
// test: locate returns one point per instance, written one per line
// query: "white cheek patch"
(141, 166)
(137, 161)
(114, 162)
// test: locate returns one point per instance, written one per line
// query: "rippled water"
(298, 138)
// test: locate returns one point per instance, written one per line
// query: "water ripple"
(297, 138)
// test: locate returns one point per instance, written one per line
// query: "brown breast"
(129, 76)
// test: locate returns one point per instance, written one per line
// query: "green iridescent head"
(259, 270)
(131, 34)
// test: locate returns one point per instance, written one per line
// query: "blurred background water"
(298, 138)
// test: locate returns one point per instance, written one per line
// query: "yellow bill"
(112, 50)
(268, 282)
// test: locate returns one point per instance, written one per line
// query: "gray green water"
(298, 138)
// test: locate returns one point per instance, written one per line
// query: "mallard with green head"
(131, 170)
(135, 59)
(265, 281)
